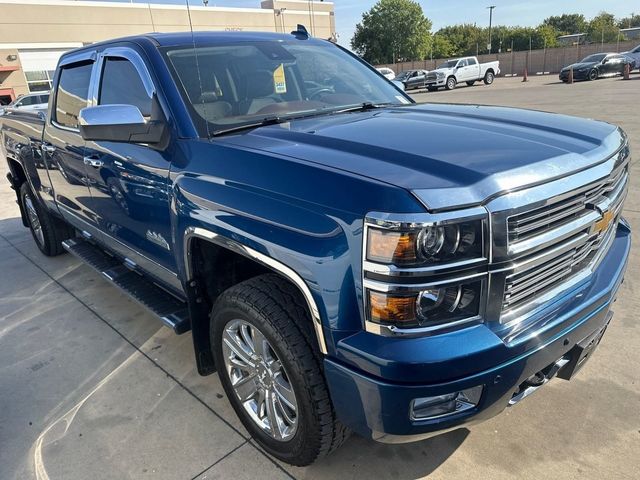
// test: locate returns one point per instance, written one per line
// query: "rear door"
(129, 181)
(473, 69)
(63, 147)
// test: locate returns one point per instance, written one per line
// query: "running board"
(171, 311)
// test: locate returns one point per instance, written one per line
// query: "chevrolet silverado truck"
(345, 259)
(466, 69)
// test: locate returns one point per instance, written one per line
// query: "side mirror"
(119, 123)
(399, 85)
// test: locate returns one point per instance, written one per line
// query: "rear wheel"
(47, 230)
(451, 83)
(488, 78)
(271, 370)
(593, 74)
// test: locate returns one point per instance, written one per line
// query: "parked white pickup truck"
(466, 69)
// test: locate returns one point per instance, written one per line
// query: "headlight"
(440, 74)
(431, 307)
(424, 271)
(431, 244)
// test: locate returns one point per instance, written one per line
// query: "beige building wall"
(55, 22)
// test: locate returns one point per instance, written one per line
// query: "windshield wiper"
(247, 126)
(363, 107)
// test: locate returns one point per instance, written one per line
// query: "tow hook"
(537, 380)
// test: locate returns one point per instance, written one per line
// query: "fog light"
(442, 405)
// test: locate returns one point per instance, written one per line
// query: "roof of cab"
(183, 38)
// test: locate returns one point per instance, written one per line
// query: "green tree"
(567, 24)
(603, 28)
(442, 47)
(392, 31)
(465, 39)
(629, 22)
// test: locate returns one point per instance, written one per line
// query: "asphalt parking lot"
(91, 386)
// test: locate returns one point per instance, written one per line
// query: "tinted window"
(472, 61)
(73, 91)
(44, 99)
(234, 85)
(26, 101)
(121, 84)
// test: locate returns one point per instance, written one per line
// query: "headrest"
(260, 84)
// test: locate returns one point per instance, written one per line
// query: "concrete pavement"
(91, 386)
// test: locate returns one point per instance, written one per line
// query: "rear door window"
(72, 93)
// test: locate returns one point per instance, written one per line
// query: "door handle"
(48, 149)
(93, 162)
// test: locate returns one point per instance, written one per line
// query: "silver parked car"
(30, 101)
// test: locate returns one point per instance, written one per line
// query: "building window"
(38, 81)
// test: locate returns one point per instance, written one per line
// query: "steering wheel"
(318, 92)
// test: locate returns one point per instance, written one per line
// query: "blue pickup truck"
(345, 259)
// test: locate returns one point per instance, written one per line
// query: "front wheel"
(451, 83)
(272, 372)
(593, 74)
(488, 78)
(47, 230)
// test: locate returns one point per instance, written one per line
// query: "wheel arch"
(246, 262)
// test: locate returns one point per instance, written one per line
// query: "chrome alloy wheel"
(259, 380)
(34, 221)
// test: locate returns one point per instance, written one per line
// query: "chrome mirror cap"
(111, 115)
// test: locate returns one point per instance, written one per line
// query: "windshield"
(231, 85)
(449, 64)
(594, 58)
(403, 75)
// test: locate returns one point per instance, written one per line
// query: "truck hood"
(446, 155)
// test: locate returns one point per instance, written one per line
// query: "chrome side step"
(171, 311)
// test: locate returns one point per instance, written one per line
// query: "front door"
(63, 147)
(129, 181)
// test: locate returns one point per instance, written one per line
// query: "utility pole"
(491, 7)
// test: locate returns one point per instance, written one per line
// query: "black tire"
(489, 77)
(593, 74)
(277, 309)
(451, 83)
(53, 230)
(471, 83)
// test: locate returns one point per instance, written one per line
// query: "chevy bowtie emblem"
(603, 224)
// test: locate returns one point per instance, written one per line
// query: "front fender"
(299, 243)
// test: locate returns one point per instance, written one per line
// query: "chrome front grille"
(538, 221)
(522, 287)
(549, 268)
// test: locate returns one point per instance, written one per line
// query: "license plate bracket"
(582, 352)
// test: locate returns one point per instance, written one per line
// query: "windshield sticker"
(402, 99)
(279, 80)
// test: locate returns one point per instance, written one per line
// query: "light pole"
(491, 7)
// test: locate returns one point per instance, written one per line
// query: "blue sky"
(443, 13)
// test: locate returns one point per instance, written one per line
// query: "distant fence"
(549, 60)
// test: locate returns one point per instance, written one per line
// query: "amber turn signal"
(391, 247)
(387, 309)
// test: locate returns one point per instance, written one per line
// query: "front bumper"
(577, 75)
(374, 379)
(438, 82)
